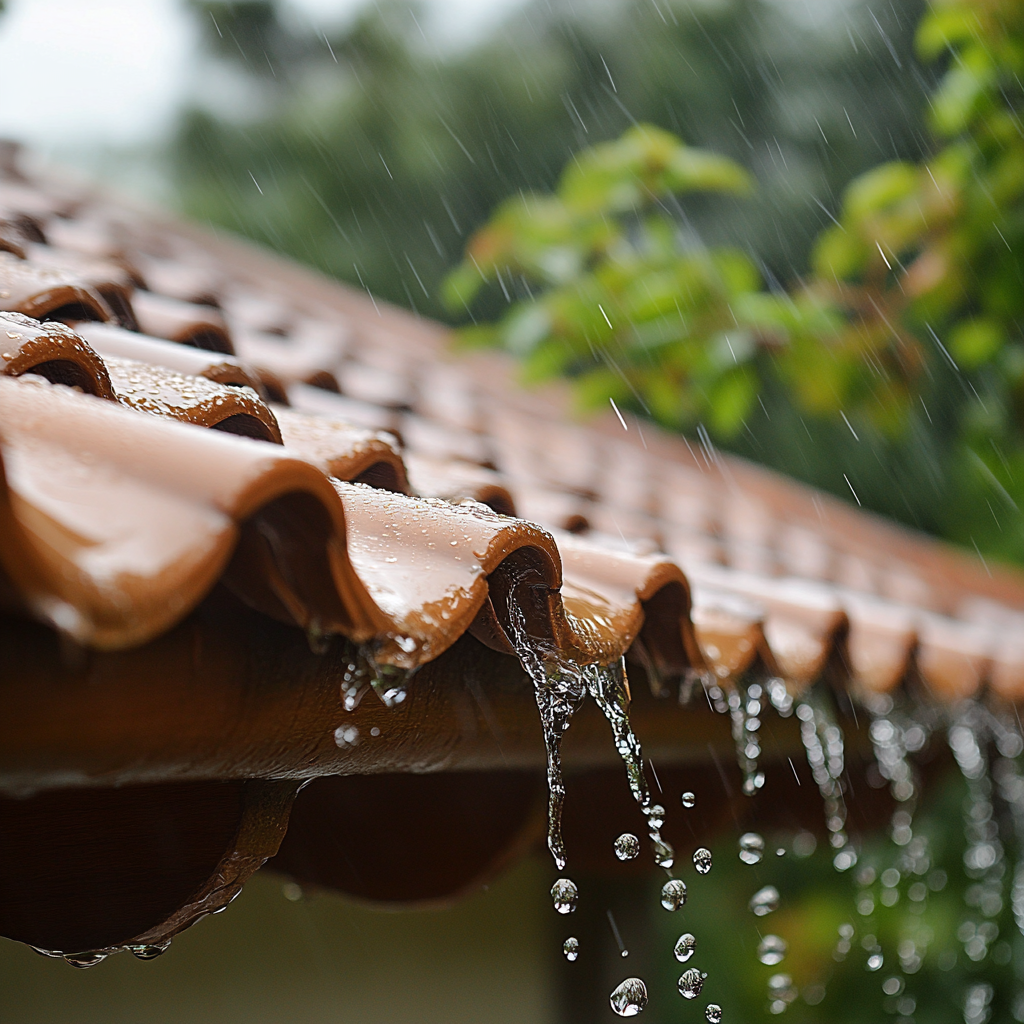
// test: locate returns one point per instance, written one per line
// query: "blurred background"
(374, 142)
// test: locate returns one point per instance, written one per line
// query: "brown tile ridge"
(162, 392)
(117, 523)
(344, 451)
(41, 292)
(942, 565)
(183, 322)
(110, 340)
(645, 596)
(53, 351)
(455, 480)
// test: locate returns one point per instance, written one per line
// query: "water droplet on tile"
(83, 960)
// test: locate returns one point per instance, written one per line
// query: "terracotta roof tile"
(824, 579)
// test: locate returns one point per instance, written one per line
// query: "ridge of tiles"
(374, 481)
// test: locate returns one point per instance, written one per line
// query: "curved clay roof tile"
(47, 294)
(53, 351)
(199, 326)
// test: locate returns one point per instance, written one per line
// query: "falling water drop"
(84, 960)
(684, 948)
(673, 894)
(688, 800)
(629, 997)
(571, 948)
(771, 950)
(702, 860)
(627, 846)
(564, 896)
(764, 901)
(751, 848)
(713, 1013)
(690, 983)
(875, 961)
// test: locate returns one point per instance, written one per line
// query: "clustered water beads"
(629, 997)
(564, 895)
(702, 860)
(673, 894)
(690, 983)
(627, 846)
(571, 948)
(684, 947)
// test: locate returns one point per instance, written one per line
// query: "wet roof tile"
(781, 575)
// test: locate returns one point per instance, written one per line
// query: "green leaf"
(974, 342)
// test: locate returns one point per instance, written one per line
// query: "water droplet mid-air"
(771, 950)
(685, 945)
(564, 895)
(627, 846)
(629, 997)
(571, 948)
(713, 1013)
(702, 860)
(688, 800)
(764, 901)
(673, 894)
(751, 848)
(690, 983)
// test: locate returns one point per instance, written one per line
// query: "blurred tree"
(917, 253)
(376, 156)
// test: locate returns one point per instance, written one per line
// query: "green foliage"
(623, 306)
(908, 325)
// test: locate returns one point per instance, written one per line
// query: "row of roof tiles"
(353, 497)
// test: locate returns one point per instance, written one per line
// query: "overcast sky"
(76, 74)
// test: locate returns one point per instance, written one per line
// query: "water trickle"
(713, 1013)
(745, 707)
(609, 687)
(823, 744)
(751, 848)
(559, 690)
(771, 950)
(702, 860)
(84, 960)
(627, 846)
(571, 948)
(673, 894)
(684, 948)
(564, 895)
(690, 983)
(764, 901)
(688, 800)
(629, 997)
